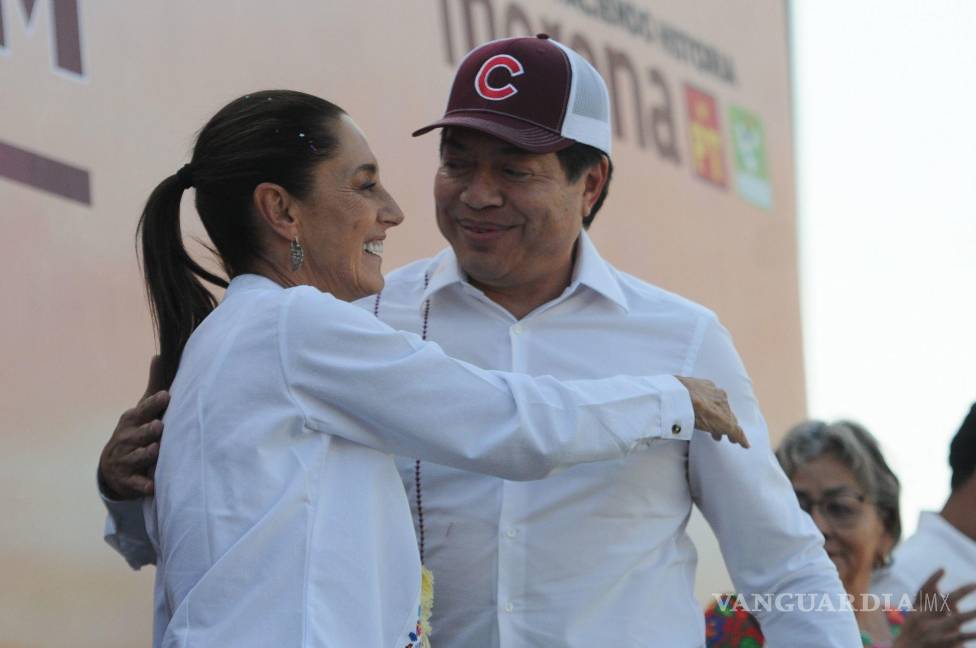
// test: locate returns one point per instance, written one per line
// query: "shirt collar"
(244, 282)
(444, 271)
(595, 273)
(933, 522)
(591, 270)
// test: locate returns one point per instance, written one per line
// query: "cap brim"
(524, 135)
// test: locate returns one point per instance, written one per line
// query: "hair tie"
(185, 176)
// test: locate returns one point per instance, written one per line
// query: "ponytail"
(274, 136)
(178, 300)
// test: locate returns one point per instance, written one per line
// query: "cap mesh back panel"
(589, 101)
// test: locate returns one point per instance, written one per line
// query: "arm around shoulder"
(355, 377)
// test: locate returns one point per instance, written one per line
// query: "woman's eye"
(839, 510)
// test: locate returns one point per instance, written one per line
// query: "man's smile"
(483, 230)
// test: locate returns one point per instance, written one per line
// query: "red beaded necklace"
(416, 470)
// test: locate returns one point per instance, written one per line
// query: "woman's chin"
(376, 285)
(841, 564)
(372, 277)
(367, 288)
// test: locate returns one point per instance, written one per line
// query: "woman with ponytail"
(279, 518)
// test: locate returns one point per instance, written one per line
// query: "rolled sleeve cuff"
(125, 530)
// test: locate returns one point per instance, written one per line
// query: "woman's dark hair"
(271, 136)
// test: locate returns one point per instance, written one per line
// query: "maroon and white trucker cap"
(534, 93)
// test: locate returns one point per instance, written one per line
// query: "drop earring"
(297, 255)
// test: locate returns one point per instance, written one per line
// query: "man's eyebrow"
(508, 149)
(453, 145)
(369, 167)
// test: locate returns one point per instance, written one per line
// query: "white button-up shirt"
(935, 544)
(597, 555)
(279, 517)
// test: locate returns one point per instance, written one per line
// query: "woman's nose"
(822, 523)
(391, 215)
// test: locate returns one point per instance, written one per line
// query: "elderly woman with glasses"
(843, 481)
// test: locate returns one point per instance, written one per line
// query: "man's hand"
(713, 414)
(935, 621)
(128, 460)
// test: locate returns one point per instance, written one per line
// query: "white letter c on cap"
(492, 93)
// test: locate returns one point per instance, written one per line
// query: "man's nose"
(482, 191)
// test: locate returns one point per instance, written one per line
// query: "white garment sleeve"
(895, 583)
(770, 546)
(125, 530)
(357, 378)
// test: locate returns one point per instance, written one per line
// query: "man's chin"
(481, 268)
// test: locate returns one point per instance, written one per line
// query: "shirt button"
(511, 533)
(675, 429)
(517, 329)
(509, 607)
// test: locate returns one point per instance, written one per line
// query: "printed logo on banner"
(33, 168)
(750, 161)
(707, 156)
(63, 15)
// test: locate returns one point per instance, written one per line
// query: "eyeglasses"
(840, 511)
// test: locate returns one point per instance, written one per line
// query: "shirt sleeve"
(125, 530)
(770, 546)
(357, 378)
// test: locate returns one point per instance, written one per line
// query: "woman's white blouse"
(280, 518)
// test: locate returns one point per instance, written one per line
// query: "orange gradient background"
(76, 336)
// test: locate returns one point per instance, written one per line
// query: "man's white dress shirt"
(279, 517)
(597, 555)
(935, 544)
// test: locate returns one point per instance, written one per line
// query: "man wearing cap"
(596, 555)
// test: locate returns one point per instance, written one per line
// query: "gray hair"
(855, 447)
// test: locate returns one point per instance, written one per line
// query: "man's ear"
(272, 202)
(594, 180)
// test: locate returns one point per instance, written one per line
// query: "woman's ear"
(885, 548)
(272, 202)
